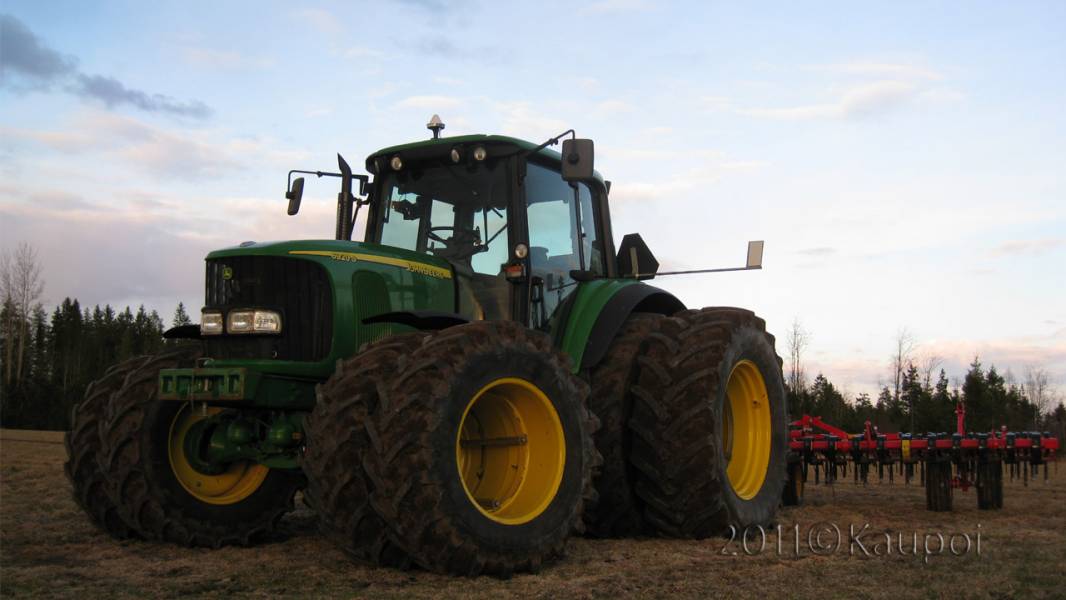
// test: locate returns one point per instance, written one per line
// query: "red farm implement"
(942, 462)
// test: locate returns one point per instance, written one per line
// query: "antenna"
(435, 125)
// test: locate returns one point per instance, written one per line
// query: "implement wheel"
(481, 451)
(989, 484)
(793, 493)
(938, 489)
(162, 490)
(710, 424)
(337, 486)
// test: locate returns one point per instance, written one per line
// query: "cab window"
(562, 238)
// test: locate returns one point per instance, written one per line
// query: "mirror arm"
(552, 141)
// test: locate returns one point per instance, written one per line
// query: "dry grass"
(48, 548)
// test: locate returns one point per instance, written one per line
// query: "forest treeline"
(990, 399)
(49, 360)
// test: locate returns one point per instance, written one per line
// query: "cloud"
(23, 52)
(113, 93)
(605, 7)
(157, 151)
(430, 102)
(863, 101)
(823, 251)
(223, 59)
(322, 20)
(41, 67)
(441, 47)
(881, 70)
(435, 6)
(1032, 247)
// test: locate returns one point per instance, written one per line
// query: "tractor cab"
(519, 226)
(517, 234)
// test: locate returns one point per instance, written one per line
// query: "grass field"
(47, 548)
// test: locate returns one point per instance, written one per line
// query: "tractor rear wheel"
(160, 494)
(481, 451)
(83, 446)
(710, 424)
(616, 512)
(337, 486)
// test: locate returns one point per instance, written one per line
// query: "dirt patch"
(47, 547)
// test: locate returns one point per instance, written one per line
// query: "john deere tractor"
(480, 377)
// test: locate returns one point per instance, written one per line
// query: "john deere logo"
(227, 273)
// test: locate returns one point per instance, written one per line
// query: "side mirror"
(635, 260)
(295, 195)
(755, 255)
(578, 157)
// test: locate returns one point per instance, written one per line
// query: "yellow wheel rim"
(510, 451)
(746, 430)
(239, 481)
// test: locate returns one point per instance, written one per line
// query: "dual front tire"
(130, 471)
(473, 450)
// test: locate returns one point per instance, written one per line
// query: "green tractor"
(484, 375)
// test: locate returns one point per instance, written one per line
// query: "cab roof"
(444, 143)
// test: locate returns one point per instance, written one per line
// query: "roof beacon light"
(435, 125)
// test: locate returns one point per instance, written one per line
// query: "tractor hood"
(345, 252)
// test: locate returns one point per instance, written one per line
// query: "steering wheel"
(437, 238)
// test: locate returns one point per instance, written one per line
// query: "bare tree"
(798, 338)
(1038, 390)
(26, 289)
(929, 363)
(7, 328)
(901, 358)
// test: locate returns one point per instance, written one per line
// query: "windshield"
(456, 212)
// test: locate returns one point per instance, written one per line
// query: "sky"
(904, 162)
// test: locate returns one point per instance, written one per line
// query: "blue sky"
(904, 163)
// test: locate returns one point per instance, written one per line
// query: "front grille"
(299, 289)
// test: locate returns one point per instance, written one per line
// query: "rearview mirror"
(295, 195)
(578, 157)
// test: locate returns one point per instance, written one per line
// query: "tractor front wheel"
(163, 492)
(83, 445)
(481, 451)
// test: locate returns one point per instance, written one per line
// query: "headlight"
(253, 321)
(210, 323)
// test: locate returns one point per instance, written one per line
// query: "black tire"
(989, 485)
(677, 424)
(83, 444)
(938, 489)
(793, 492)
(337, 486)
(617, 512)
(142, 483)
(413, 459)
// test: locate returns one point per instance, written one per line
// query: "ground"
(47, 547)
